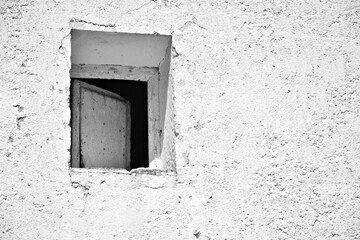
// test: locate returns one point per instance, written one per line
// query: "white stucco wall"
(267, 123)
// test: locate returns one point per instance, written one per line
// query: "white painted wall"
(266, 97)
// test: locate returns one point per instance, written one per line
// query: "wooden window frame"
(118, 72)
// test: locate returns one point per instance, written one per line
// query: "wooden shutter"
(101, 127)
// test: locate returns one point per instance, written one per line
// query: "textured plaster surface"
(267, 124)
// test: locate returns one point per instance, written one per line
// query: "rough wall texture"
(267, 102)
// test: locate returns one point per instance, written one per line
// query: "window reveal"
(103, 133)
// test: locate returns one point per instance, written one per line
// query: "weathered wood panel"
(112, 72)
(154, 117)
(75, 131)
(104, 128)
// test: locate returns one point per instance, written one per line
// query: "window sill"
(89, 178)
(136, 171)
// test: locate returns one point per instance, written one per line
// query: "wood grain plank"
(154, 117)
(112, 72)
(104, 128)
(128, 136)
(75, 125)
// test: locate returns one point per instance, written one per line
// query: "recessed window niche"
(121, 101)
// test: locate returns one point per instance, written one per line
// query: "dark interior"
(136, 93)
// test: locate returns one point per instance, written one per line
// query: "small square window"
(120, 117)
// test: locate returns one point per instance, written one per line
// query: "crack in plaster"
(188, 23)
(19, 107)
(138, 8)
(62, 50)
(95, 24)
(175, 52)
(76, 184)
(147, 186)
(19, 120)
(163, 59)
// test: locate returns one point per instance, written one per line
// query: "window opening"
(136, 93)
(121, 101)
